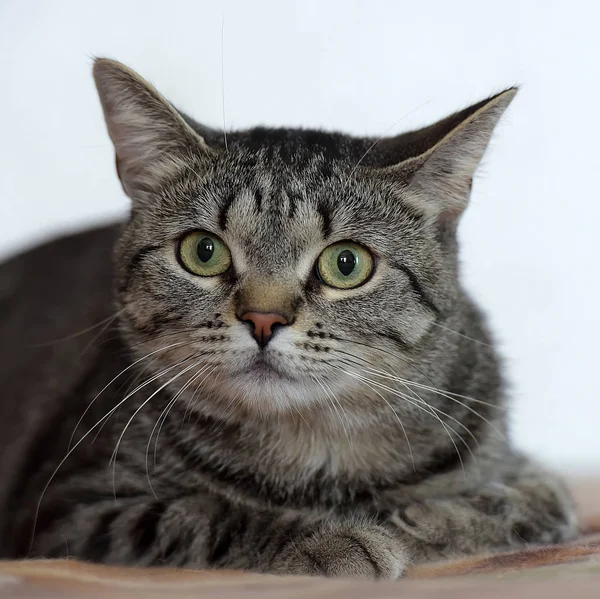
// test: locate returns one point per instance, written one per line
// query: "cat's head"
(276, 269)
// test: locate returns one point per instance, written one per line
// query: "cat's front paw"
(353, 549)
(495, 517)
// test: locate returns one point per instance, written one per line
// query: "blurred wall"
(531, 235)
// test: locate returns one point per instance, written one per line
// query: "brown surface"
(551, 572)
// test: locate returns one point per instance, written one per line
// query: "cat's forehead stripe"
(224, 210)
(326, 216)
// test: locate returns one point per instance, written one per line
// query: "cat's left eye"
(344, 265)
(204, 254)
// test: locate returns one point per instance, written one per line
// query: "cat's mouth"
(266, 368)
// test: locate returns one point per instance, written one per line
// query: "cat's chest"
(295, 472)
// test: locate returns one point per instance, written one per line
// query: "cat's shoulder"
(55, 254)
(56, 288)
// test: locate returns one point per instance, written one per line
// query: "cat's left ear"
(152, 140)
(438, 162)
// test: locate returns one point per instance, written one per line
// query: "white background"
(531, 235)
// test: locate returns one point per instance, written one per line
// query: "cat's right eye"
(344, 265)
(204, 254)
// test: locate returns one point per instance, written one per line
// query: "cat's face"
(276, 221)
(285, 270)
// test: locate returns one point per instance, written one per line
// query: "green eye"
(204, 254)
(344, 265)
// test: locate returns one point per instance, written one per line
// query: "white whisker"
(113, 380)
(161, 419)
(149, 380)
(297, 410)
(113, 458)
(69, 453)
(193, 400)
(333, 404)
(438, 410)
(229, 408)
(223, 80)
(110, 319)
(192, 380)
(412, 457)
(441, 326)
(444, 394)
(410, 363)
(431, 410)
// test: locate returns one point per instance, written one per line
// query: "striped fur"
(368, 433)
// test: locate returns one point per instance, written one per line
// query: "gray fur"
(368, 434)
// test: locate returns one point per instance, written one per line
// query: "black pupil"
(346, 262)
(206, 249)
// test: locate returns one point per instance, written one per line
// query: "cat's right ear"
(437, 163)
(152, 141)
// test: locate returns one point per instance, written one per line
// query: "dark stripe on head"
(325, 214)
(326, 169)
(224, 210)
(292, 203)
(143, 532)
(258, 198)
(407, 212)
(417, 288)
(98, 544)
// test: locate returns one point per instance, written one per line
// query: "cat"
(276, 369)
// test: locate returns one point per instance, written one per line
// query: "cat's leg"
(530, 506)
(211, 532)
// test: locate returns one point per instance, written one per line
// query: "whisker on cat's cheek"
(293, 361)
(163, 416)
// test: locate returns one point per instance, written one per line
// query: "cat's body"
(362, 428)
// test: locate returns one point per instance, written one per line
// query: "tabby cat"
(278, 370)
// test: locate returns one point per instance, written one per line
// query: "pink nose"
(262, 324)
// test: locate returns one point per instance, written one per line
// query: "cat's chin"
(272, 381)
(264, 369)
(264, 387)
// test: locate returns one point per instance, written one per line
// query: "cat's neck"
(294, 459)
